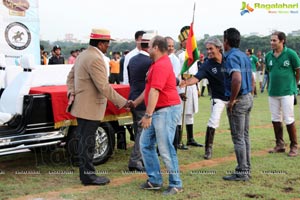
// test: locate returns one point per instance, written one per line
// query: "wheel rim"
(101, 144)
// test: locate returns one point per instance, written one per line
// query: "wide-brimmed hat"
(184, 32)
(100, 34)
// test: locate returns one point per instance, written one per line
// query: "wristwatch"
(147, 116)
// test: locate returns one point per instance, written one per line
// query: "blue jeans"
(239, 125)
(161, 132)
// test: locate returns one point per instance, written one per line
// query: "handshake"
(129, 105)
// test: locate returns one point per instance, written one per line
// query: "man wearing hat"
(88, 91)
(191, 95)
(56, 57)
(137, 69)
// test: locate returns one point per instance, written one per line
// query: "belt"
(239, 95)
(156, 109)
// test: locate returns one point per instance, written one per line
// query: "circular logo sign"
(17, 36)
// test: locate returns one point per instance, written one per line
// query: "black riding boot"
(209, 139)
(190, 136)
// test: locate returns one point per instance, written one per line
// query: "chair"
(11, 101)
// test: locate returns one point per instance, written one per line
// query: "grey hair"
(215, 41)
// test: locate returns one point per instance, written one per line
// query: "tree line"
(252, 42)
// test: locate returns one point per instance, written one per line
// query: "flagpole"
(181, 145)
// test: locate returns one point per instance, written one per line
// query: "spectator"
(114, 65)
(72, 57)
(122, 65)
(56, 57)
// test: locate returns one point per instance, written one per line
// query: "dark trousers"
(86, 130)
(136, 159)
(114, 78)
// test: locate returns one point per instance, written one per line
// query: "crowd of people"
(162, 100)
(56, 57)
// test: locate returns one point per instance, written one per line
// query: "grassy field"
(274, 176)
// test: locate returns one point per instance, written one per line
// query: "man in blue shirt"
(213, 70)
(238, 88)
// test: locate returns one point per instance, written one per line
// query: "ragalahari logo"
(246, 8)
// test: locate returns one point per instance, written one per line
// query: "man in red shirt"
(159, 122)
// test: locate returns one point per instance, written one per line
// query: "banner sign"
(19, 30)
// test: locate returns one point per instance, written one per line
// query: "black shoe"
(150, 186)
(236, 177)
(194, 143)
(182, 147)
(138, 169)
(172, 191)
(100, 180)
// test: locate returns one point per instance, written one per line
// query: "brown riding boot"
(278, 130)
(209, 139)
(293, 138)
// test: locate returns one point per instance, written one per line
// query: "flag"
(191, 52)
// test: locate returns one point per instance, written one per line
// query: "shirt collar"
(144, 52)
(227, 53)
(283, 50)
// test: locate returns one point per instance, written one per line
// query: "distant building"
(295, 33)
(69, 37)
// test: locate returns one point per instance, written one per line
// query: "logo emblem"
(286, 63)
(246, 8)
(214, 70)
(17, 36)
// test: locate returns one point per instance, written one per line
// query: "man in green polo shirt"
(283, 65)
(254, 64)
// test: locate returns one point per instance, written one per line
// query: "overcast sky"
(124, 17)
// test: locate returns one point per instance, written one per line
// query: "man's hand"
(183, 97)
(145, 122)
(71, 98)
(129, 105)
(231, 104)
(182, 84)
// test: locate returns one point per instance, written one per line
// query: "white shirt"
(176, 64)
(106, 60)
(126, 61)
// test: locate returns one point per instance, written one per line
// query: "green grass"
(274, 176)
